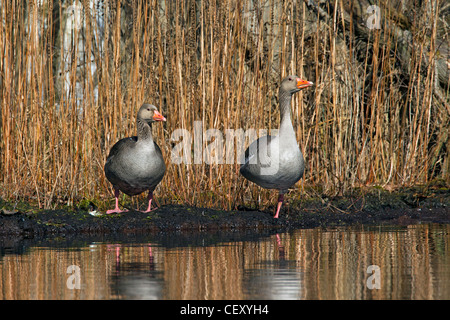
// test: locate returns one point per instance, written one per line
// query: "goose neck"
(144, 130)
(285, 112)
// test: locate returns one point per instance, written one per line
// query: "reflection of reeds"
(329, 264)
(363, 123)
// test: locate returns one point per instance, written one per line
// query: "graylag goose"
(135, 164)
(276, 162)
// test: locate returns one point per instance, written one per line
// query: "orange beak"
(158, 116)
(302, 84)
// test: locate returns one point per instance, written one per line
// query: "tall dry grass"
(73, 75)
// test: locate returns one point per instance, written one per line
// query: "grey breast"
(272, 165)
(134, 168)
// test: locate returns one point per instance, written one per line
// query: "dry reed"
(73, 74)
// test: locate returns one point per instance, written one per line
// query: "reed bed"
(74, 73)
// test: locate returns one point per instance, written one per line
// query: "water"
(409, 262)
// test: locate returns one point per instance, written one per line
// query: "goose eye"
(290, 79)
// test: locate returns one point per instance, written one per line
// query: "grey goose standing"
(135, 164)
(276, 162)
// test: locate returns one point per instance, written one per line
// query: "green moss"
(54, 224)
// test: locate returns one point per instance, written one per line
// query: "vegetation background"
(74, 73)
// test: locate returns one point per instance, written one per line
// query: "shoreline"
(385, 208)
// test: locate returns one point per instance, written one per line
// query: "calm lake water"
(385, 262)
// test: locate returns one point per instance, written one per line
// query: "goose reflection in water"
(275, 280)
(136, 280)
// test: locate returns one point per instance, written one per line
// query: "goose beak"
(158, 116)
(302, 84)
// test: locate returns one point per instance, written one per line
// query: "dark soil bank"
(377, 207)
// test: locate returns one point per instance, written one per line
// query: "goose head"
(294, 84)
(149, 113)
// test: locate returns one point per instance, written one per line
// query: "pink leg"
(280, 202)
(150, 253)
(117, 254)
(278, 240)
(150, 198)
(280, 247)
(116, 209)
(115, 247)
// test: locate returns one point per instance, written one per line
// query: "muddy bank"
(379, 207)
